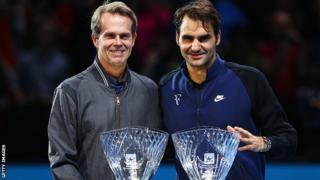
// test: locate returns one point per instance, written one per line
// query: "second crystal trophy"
(206, 153)
(134, 153)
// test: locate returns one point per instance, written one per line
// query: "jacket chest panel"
(217, 106)
(102, 111)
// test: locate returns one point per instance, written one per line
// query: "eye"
(204, 38)
(125, 36)
(109, 35)
(187, 38)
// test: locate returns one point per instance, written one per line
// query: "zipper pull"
(118, 100)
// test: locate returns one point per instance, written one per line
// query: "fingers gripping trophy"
(206, 153)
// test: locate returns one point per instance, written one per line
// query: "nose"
(195, 46)
(117, 40)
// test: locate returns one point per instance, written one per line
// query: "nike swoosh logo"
(219, 98)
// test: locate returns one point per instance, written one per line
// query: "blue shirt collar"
(117, 84)
(215, 68)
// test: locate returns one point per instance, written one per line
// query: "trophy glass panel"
(206, 153)
(134, 153)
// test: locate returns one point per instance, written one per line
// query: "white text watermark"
(3, 161)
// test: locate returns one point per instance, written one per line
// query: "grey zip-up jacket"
(83, 107)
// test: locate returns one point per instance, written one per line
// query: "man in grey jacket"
(107, 95)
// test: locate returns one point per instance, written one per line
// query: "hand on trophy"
(206, 153)
(252, 142)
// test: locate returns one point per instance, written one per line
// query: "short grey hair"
(116, 7)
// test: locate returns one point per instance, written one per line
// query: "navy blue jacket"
(233, 95)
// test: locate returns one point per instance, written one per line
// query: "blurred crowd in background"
(42, 42)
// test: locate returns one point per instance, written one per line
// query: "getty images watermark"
(3, 161)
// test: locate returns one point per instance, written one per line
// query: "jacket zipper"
(199, 103)
(118, 110)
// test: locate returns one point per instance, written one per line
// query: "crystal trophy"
(206, 153)
(134, 153)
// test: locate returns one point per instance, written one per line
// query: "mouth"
(197, 56)
(117, 53)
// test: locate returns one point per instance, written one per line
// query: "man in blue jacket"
(208, 91)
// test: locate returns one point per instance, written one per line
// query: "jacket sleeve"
(62, 134)
(273, 121)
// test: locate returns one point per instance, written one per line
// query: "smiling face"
(115, 42)
(197, 43)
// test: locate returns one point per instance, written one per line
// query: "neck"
(197, 75)
(114, 71)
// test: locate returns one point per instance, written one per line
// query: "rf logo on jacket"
(177, 98)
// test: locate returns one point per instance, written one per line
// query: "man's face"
(197, 45)
(115, 41)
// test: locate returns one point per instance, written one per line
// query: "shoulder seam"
(167, 76)
(148, 82)
(232, 65)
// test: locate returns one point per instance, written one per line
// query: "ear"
(134, 37)
(177, 38)
(95, 40)
(218, 38)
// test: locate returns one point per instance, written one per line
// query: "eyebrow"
(205, 36)
(187, 37)
(114, 34)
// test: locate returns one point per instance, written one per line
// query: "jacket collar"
(213, 70)
(102, 76)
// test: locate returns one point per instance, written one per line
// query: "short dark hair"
(112, 8)
(202, 10)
